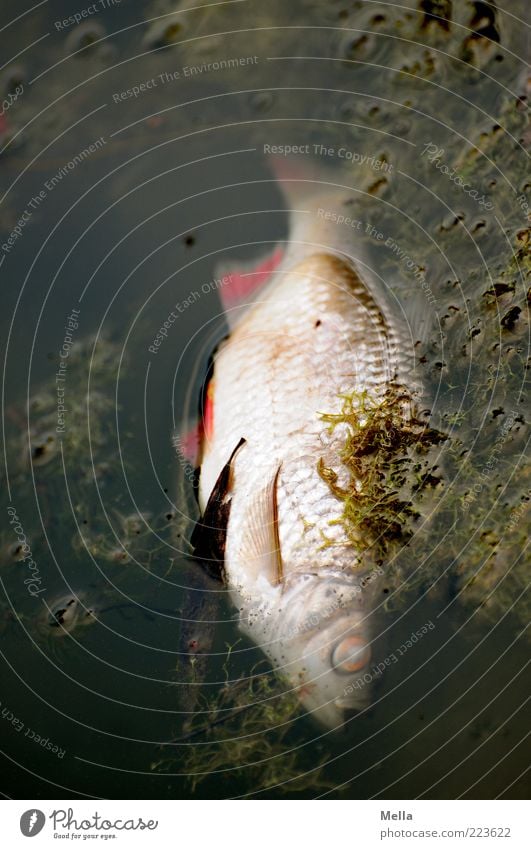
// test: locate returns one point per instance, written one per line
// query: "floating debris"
(67, 613)
(43, 448)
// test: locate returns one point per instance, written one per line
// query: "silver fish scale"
(316, 334)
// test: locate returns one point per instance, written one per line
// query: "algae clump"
(247, 731)
(383, 453)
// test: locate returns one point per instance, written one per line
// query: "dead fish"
(317, 327)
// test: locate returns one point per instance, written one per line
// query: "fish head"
(325, 647)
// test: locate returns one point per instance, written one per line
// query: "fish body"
(315, 333)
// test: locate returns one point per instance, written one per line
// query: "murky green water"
(114, 236)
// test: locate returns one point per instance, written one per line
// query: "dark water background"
(179, 185)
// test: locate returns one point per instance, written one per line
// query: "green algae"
(246, 729)
(384, 454)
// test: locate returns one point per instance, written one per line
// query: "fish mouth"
(334, 712)
(346, 704)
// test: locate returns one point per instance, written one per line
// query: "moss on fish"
(385, 439)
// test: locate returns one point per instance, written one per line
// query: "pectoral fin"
(210, 534)
(259, 550)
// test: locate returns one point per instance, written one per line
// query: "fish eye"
(351, 655)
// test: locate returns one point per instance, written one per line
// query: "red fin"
(189, 442)
(244, 281)
(208, 414)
